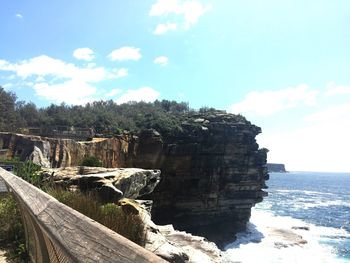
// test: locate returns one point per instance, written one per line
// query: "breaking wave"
(305, 218)
(273, 239)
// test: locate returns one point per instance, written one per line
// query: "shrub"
(110, 215)
(12, 236)
(91, 161)
(29, 171)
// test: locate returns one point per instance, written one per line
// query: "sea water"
(312, 206)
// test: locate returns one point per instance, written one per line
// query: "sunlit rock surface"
(111, 183)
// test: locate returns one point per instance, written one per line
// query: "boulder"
(38, 158)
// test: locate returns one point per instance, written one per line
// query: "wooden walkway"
(57, 233)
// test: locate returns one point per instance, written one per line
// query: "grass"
(110, 215)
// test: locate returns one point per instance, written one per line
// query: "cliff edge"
(213, 171)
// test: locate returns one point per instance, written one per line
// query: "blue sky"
(283, 64)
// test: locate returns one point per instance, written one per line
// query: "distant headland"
(276, 168)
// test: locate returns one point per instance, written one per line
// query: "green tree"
(9, 117)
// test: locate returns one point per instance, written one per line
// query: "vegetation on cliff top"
(105, 117)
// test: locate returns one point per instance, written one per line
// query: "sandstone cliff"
(56, 153)
(212, 169)
(212, 175)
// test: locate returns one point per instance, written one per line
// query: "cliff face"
(212, 175)
(56, 153)
(212, 170)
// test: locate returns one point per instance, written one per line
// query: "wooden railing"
(57, 233)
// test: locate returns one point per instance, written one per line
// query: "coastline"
(317, 212)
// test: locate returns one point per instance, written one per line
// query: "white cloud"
(333, 89)
(113, 92)
(39, 79)
(7, 86)
(119, 73)
(58, 81)
(312, 141)
(192, 11)
(84, 54)
(162, 60)
(165, 7)
(320, 145)
(5, 65)
(19, 16)
(71, 92)
(91, 65)
(335, 113)
(145, 94)
(29, 84)
(163, 28)
(125, 53)
(264, 103)
(189, 10)
(46, 66)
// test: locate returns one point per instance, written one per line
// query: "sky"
(285, 65)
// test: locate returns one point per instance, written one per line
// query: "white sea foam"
(260, 242)
(305, 203)
(311, 199)
(321, 203)
(306, 192)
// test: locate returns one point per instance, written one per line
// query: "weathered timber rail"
(57, 233)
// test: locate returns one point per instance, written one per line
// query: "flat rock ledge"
(111, 184)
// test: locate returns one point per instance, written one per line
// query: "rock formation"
(49, 152)
(212, 169)
(212, 175)
(125, 183)
(276, 168)
(110, 183)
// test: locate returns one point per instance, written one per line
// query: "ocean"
(305, 218)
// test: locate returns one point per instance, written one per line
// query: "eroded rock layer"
(213, 173)
(56, 153)
(212, 169)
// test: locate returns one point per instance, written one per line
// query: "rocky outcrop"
(213, 171)
(168, 243)
(111, 184)
(276, 168)
(50, 152)
(176, 246)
